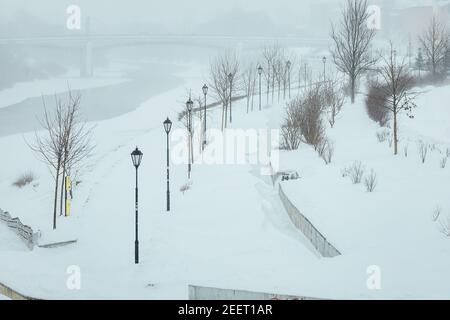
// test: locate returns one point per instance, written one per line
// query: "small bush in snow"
(356, 172)
(24, 180)
(383, 135)
(444, 162)
(423, 151)
(444, 226)
(371, 181)
(376, 103)
(186, 187)
(436, 213)
(326, 151)
(303, 120)
(345, 172)
(447, 153)
(405, 151)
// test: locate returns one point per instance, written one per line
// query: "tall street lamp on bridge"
(167, 128)
(205, 92)
(136, 157)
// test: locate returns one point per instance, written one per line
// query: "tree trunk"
(353, 89)
(268, 82)
(248, 101)
(62, 190)
(62, 193)
(253, 96)
(395, 134)
(55, 203)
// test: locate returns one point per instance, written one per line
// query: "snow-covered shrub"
(405, 151)
(444, 226)
(326, 151)
(376, 102)
(333, 99)
(370, 181)
(290, 130)
(345, 172)
(436, 213)
(447, 153)
(24, 180)
(185, 187)
(303, 120)
(356, 172)
(423, 151)
(444, 162)
(382, 135)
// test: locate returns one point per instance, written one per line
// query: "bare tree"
(270, 54)
(333, 96)
(77, 144)
(395, 89)
(351, 42)
(248, 83)
(435, 43)
(64, 143)
(220, 70)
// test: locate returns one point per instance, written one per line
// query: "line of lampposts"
(136, 158)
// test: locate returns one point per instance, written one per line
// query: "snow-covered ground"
(230, 229)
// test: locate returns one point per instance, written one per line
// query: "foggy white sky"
(174, 14)
(166, 12)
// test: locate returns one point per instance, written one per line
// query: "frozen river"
(98, 103)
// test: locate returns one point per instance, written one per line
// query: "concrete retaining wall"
(325, 248)
(12, 294)
(207, 293)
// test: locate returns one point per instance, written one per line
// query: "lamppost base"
(136, 252)
(168, 201)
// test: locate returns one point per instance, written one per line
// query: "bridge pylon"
(87, 66)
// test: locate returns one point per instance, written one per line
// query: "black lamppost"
(167, 127)
(230, 78)
(288, 66)
(189, 107)
(260, 71)
(136, 157)
(205, 93)
(324, 59)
